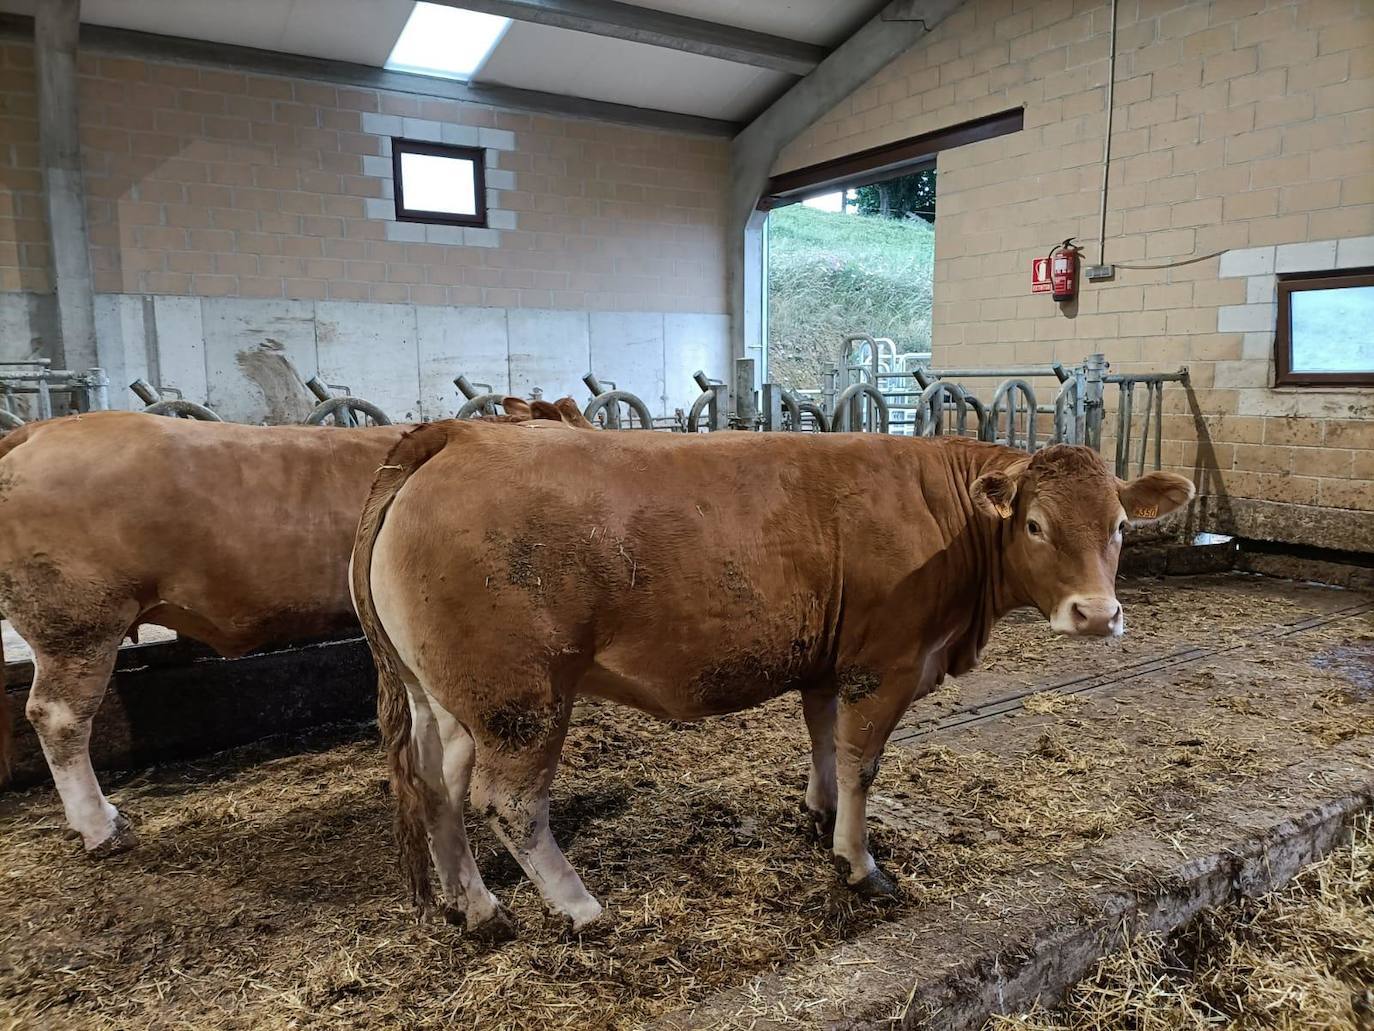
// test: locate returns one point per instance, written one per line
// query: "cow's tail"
(414, 801)
(6, 724)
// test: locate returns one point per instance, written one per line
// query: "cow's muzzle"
(1089, 616)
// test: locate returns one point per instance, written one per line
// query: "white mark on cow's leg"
(819, 709)
(445, 752)
(515, 768)
(851, 820)
(542, 860)
(87, 810)
(64, 697)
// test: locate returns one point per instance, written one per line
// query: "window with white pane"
(438, 183)
(1325, 331)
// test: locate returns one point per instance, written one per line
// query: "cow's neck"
(977, 544)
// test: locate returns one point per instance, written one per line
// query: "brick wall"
(267, 199)
(1238, 124)
(216, 183)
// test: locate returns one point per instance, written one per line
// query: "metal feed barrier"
(342, 409)
(175, 406)
(878, 389)
(28, 389)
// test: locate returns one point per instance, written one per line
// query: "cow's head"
(1064, 516)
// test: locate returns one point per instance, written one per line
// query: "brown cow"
(499, 575)
(238, 536)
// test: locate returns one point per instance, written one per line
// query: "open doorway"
(853, 261)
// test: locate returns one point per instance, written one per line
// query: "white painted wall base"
(402, 357)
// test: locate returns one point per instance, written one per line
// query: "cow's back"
(724, 561)
(237, 535)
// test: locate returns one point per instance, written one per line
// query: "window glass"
(433, 183)
(1333, 330)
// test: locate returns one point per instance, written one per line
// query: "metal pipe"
(1150, 389)
(98, 392)
(610, 401)
(1159, 425)
(1094, 401)
(465, 387)
(318, 388)
(482, 404)
(847, 408)
(1023, 389)
(1107, 140)
(1148, 377)
(144, 391)
(1056, 370)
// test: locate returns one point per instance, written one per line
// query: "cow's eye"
(1033, 528)
(1121, 527)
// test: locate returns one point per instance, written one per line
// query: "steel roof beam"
(659, 29)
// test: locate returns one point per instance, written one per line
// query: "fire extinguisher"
(1064, 271)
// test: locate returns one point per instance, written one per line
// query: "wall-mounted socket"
(1096, 272)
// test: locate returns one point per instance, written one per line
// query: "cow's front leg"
(867, 714)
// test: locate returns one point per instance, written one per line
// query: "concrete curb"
(950, 968)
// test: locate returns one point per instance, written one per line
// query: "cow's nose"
(1100, 617)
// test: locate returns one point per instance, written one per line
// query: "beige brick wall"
(214, 183)
(1238, 124)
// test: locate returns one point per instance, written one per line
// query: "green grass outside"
(830, 275)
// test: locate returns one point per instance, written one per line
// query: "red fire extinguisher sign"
(1040, 275)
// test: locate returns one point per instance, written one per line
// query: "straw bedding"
(266, 895)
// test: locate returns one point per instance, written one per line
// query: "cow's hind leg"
(818, 706)
(66, 692)
(518, 744)
(445, 751)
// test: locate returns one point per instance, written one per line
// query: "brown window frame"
(478, 157)
(1290, 283)
(886, 162)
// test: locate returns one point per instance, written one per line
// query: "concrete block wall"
(272, 195)
(1239, 126)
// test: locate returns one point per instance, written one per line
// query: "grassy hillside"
(830, 275)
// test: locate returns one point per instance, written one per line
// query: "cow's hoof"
(820, 826)
(877, 885)
(121, 839)
(499, 927)
(591, 923)
(453, 915)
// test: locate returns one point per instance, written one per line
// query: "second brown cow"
(499, 574)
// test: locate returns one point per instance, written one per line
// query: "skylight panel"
(448, 42)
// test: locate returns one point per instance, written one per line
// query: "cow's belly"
(719, 673)
(693, 695)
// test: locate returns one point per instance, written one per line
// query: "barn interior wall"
(1239, 125)
(228, 210)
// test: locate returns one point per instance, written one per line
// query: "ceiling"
(529, 56)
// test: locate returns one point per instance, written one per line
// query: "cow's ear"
(516, 406)
(995, 492)
(572, 415)
(1154, 495)
(545, 410)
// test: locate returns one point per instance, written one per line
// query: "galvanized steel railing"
(911, 399)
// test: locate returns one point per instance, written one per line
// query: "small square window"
(1325, 332)
(438, 183)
